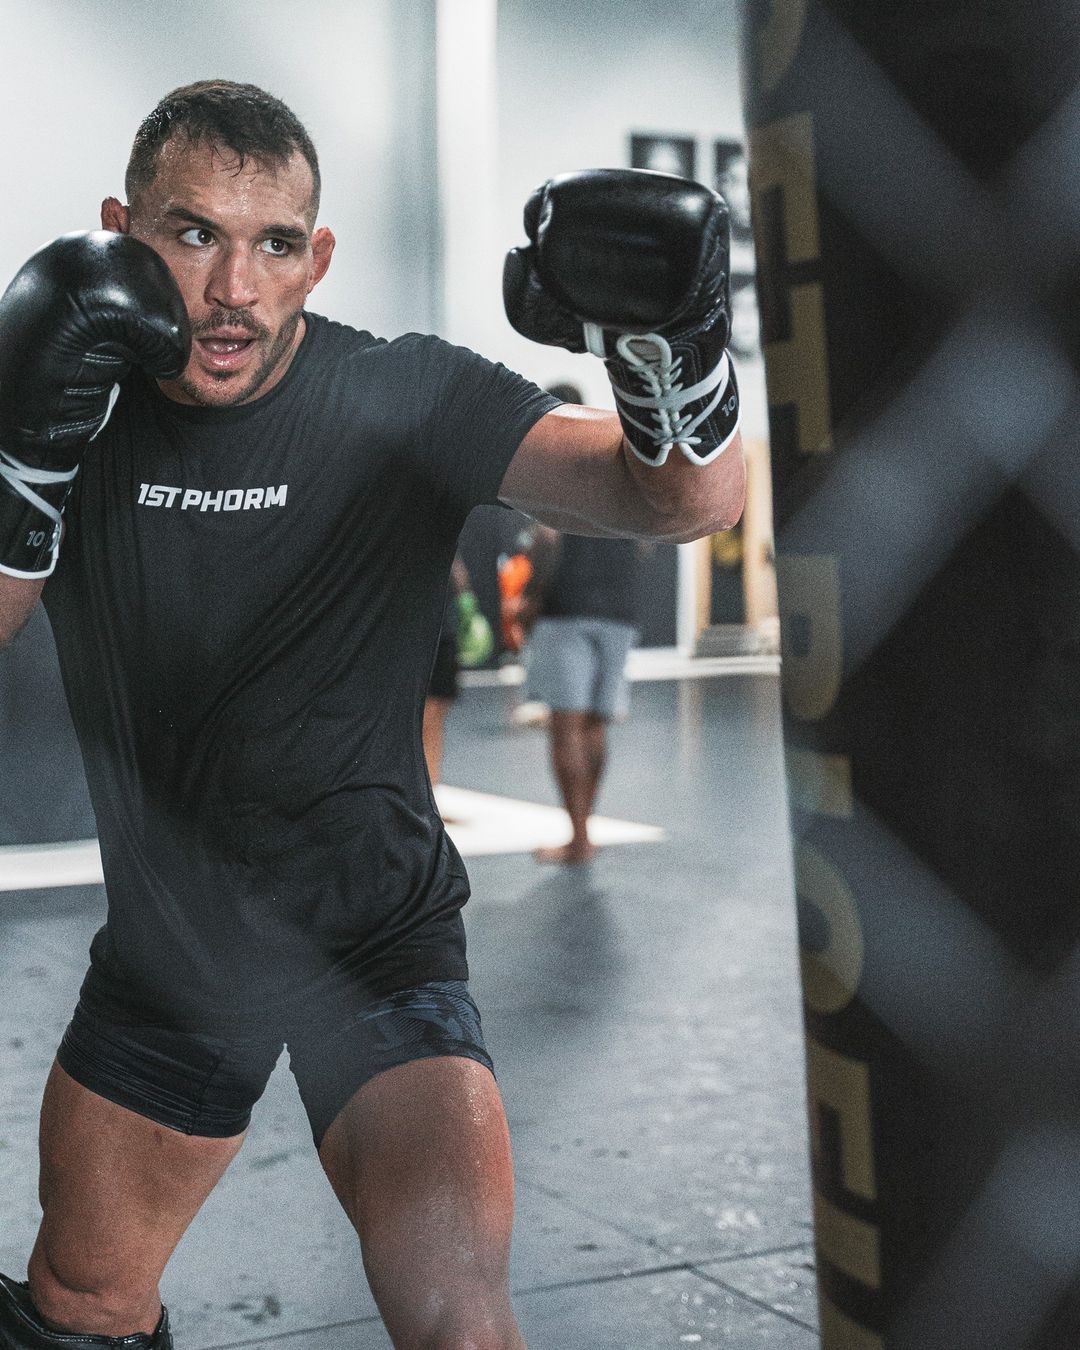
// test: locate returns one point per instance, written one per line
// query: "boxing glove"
(78, 315)
(632, 266)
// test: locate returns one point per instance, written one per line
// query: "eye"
(197, 237)
(278, 247)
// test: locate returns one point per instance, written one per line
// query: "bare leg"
(595, 733)
(435, 711)
(420, 1160)
(118, 1192)
(578, 751)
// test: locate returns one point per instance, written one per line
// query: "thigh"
(411, 1133)
(420, 1160)
(117, 1192)
(137, 1125)
(436, 1018)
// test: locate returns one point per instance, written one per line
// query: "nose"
(231, 283)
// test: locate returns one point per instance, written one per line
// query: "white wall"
(574, 80)
(77, 77)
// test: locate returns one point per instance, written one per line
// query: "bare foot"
(571, 853)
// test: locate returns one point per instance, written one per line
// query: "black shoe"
(21, 1328)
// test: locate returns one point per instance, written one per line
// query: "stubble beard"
(273, 355)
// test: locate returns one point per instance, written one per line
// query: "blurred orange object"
(515, 573)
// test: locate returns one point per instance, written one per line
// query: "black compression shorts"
(207, 1085)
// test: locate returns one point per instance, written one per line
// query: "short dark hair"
(569, 393)
(240, 117)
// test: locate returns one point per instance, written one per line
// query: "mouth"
(223, 351)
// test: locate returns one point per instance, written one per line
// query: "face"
(240, 245)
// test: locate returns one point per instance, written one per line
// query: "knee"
(472, 1315)
(470, 1326)
(100, 1307)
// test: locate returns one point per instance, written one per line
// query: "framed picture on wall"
(665, 154)
(731, 179)
(745, 324)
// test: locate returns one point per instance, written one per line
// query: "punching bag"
(914, 173)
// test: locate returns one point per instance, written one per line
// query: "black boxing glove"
(75, 319)
(632, 266)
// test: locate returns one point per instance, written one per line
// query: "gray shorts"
(579, 664)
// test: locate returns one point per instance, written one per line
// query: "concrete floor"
(644, 1018)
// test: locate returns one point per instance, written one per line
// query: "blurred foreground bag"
(912, 171)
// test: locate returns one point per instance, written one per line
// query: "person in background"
(581, 602)
(466, 639)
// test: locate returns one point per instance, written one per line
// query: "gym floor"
(645, 1022)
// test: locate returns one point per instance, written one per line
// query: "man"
(259, 532)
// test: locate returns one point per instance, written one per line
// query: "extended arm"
(18, 600)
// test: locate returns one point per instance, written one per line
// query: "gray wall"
(77, 77)
(574, 80)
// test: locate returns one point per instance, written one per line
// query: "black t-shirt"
(246, 610)
(593, 578)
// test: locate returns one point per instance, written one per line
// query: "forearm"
(684, 501)
(18, 599)
(575, 472)
(673, 505)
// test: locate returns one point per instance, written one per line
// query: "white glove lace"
(22, 478)
(649, 356)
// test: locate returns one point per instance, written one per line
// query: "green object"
(475, 640)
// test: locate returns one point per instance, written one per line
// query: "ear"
(322, 247)
(115, 216)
